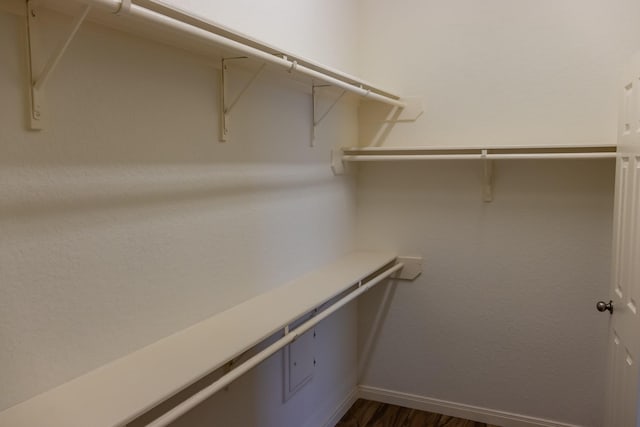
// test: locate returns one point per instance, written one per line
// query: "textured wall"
(502, 71)
(125, 219)
(503, 316)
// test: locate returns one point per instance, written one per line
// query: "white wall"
(501, 72)
(503, 317)
(125, 219)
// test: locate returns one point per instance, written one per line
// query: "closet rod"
(122, 7)
(193, 401)
(408, 157)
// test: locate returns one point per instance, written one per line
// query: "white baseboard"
(474, 413)
(342, 408)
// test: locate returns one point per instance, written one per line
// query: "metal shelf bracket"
(410, 113)
(38, 80)
(337, 165)
(225, 109)
(412, 267)
(487, 178)
(318, 120)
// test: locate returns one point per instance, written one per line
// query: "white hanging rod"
(372, 154)
(139, 12)
(489, 156)
(289, 336)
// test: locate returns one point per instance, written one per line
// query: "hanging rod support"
(225, 109)
(317, 121)
(54, 59)
(487, 178)
(39, 81)
(245, 88)
(123, 8)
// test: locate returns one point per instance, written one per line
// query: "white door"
(624, 335)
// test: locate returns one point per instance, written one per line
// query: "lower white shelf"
(121, 391)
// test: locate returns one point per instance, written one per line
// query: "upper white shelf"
(120, 391)
(168, 24)
(373, 154)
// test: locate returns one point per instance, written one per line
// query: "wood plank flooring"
(365, 413)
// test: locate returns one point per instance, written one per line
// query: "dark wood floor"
(365, 413)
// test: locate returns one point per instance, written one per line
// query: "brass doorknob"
(602, 306)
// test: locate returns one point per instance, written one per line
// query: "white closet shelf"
(373, 154)
(122, 390)
(487, 154)
(167, 24)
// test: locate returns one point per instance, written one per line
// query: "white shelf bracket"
(38, 81)
(412, 267)
(317, 121)
(225, 109)
(410, 113)
(337, 164)
(487, 178)
(124, 8)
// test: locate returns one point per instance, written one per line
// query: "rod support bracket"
(413, 110)
(35, 95)
(123, 8)
(317, 120)
(225, 108)
(38, 79)
(410, 113)
(337, 164)
(412, 267)
(487, 178)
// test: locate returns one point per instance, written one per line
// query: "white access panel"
(299, 363)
